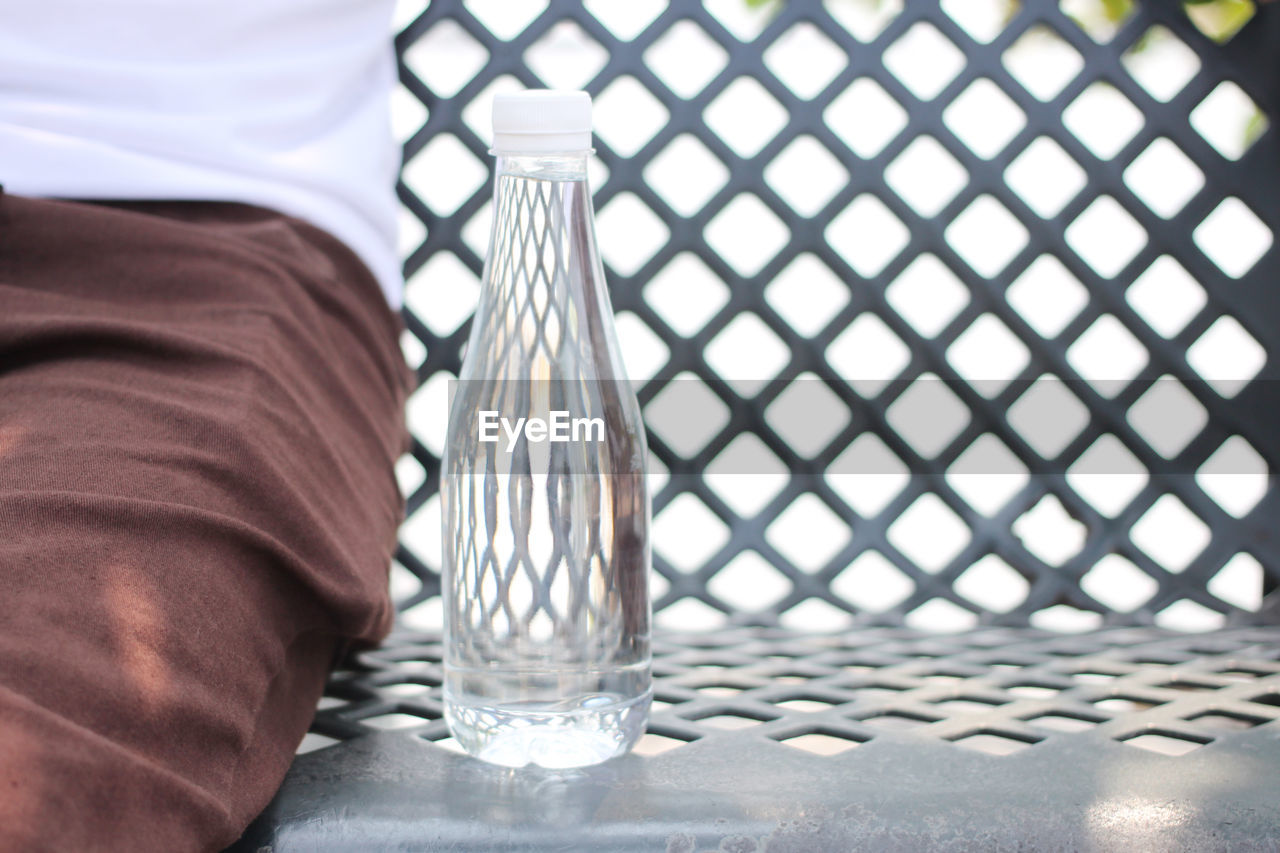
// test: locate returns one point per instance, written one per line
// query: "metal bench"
(1100, 195)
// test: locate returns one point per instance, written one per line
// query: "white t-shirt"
(279, 103)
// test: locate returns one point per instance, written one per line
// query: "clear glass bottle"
(546, 542)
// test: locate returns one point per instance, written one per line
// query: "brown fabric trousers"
(200, 410)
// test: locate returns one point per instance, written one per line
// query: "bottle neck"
(543, 296)
(555, 166)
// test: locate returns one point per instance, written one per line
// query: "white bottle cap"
(541, 121)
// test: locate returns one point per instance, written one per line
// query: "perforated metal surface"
(1008, 688)
(880, 739)
(814, 209)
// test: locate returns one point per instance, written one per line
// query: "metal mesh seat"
(1012, 263)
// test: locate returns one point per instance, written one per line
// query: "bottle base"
(574, 733)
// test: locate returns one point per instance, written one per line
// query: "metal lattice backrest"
(913, 214)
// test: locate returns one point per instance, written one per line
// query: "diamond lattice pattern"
(991, 319)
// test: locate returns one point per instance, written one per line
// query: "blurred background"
(940, 315)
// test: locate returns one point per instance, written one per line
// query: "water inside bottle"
(546, 549)
(572, 731)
